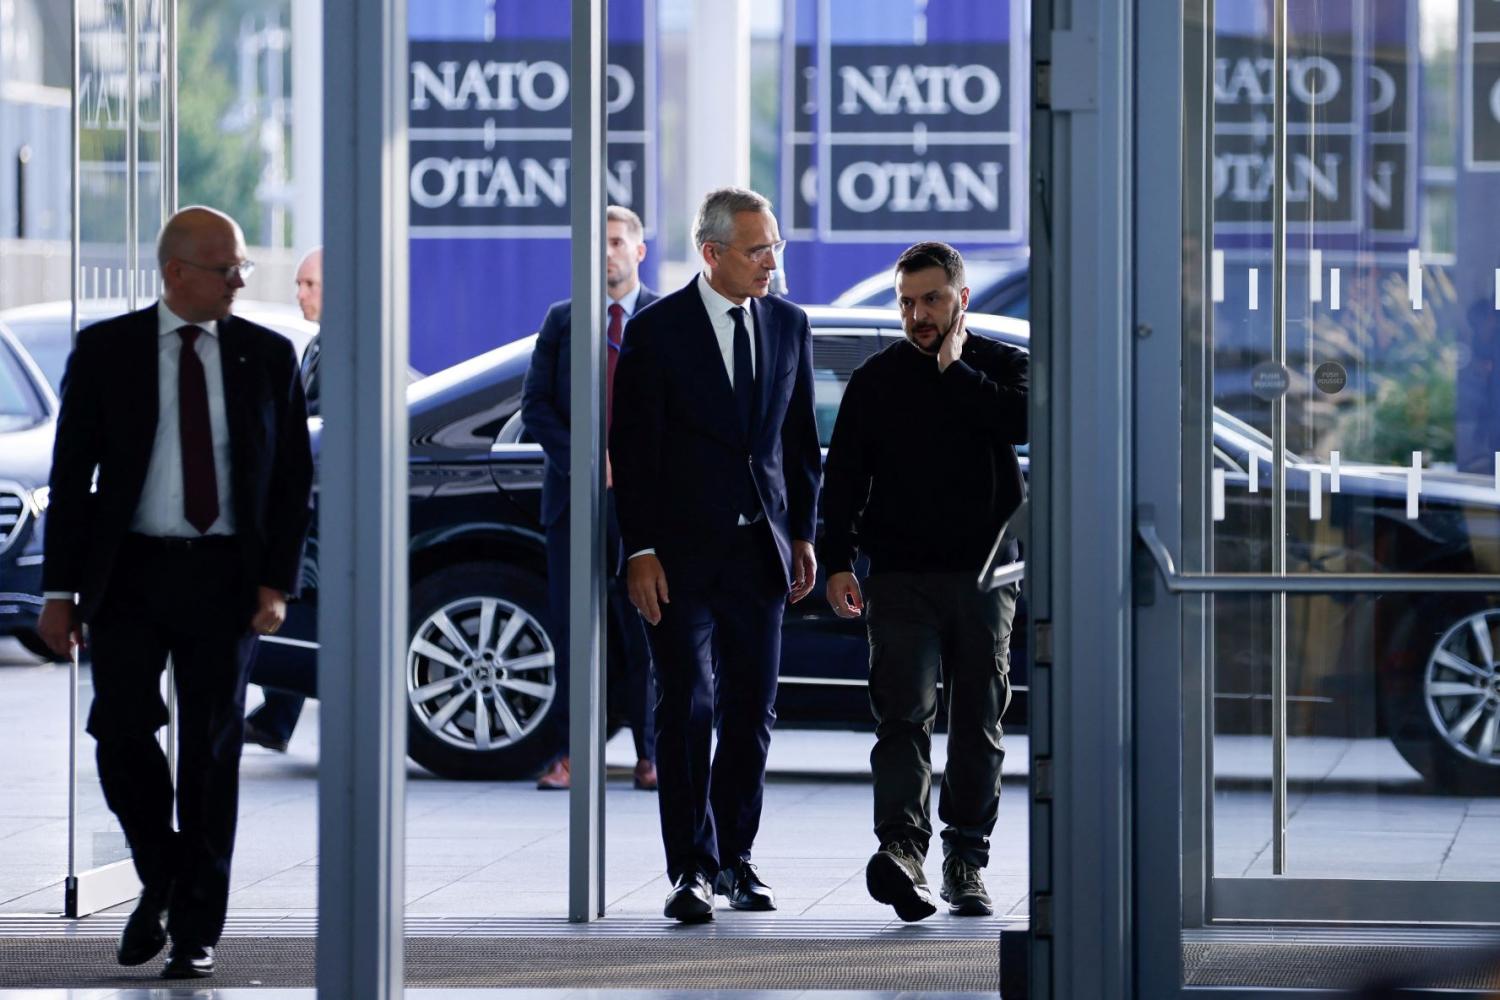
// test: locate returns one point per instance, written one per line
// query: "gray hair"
(619, 213)
(715, 220)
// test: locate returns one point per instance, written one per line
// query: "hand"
(609, 473)
(58, 626)
(845, 596)
(646, 582)
(953, 344)
(271, 613)
(804, 570)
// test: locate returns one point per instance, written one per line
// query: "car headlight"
(40, 498)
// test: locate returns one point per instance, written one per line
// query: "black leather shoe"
(189, 962)
(146, 931)
(744, 888)
(691, 900)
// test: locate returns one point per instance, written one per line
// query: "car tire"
(451, 671)
(1442, 708)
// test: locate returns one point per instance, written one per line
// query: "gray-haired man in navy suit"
(716, 466)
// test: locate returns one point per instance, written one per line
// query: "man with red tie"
(546, 402)
(181, 499)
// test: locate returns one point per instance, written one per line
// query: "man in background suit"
(716, 466)
(189, 546)
(271, 725)
(546, 408)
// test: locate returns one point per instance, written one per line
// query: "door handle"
(1301, 583)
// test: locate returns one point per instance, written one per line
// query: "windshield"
(21, 406)
(48, 343)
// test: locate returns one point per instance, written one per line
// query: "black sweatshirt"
(921, 472)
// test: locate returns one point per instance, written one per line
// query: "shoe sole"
(968, 906)
(888, 883)
(971, 908)
(186, 974)
(690, 917)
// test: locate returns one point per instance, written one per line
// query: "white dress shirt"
(718, 314)
(160, 511)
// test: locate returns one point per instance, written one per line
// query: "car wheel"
(1446, 720)
(480, 673)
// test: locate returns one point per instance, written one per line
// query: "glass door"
(1319, 560)
(123, 162)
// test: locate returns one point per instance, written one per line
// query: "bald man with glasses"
(181, 500)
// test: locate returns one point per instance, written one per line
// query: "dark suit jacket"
(108, 423)
(676, 441)
(547, 398)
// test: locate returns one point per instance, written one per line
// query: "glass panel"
(120, 211)
(1355, 435)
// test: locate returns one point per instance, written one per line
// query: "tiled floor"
(461, 994)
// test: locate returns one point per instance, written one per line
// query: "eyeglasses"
(765, 253)
(228, 272)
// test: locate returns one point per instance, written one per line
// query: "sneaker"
(963, 889)
(894, 876)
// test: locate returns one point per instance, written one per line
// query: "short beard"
(937, 345)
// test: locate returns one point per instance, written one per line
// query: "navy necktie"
(200, 488)
(744, 373)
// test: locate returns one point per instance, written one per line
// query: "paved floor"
(498, 849)
(461, 994)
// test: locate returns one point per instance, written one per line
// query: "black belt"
(182, 544)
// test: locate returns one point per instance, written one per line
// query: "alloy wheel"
(480, 673)
(1461, 687)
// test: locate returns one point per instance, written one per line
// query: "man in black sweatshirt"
(921, 477)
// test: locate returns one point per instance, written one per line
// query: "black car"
(28, 420)
(1358, 666)
(999, 283)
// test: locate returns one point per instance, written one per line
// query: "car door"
(825, 660)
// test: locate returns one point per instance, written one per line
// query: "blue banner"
(490, 156)
(903, 120)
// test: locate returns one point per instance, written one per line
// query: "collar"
(168, 322)
(626, 301)
(717, 304)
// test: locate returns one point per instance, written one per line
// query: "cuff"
(59, 595)
(643, 552)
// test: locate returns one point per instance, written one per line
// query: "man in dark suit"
(546, 402)
(716, 465)
(189, 546)
(271, 724)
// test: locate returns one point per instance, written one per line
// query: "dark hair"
(931, 253)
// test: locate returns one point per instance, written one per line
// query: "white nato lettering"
(490, 86)
(1247, 177)
(1313, 80)
(919, 90)
(866, 186)
(484, 182)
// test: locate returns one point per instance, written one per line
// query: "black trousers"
(720, 641)
(189, 605)
(629, 683)
(922, 627)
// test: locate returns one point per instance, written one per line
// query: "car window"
(21, 406)
(48, 344)
(836, 353)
